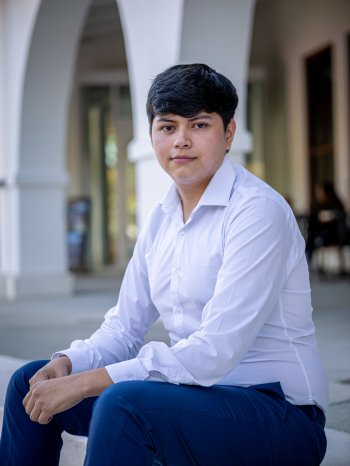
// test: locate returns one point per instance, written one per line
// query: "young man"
(221, 261)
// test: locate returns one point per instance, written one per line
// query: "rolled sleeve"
(127, 370)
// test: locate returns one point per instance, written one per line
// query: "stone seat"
(338, 451)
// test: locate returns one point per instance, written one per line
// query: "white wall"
(319, 23)
(285, 33)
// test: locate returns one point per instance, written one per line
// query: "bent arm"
(121, 335)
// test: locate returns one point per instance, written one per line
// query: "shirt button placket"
(175, 278)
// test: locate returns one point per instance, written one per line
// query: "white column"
(40, 48)
(297, 127)
(2, 153)
(16, 27)
(152, 33)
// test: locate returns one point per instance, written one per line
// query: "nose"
(182, 139)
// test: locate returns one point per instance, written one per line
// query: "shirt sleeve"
(248, 286)
(122, 333)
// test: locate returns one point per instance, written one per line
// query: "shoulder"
(255, 200)
(248, 188)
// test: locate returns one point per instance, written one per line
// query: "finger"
(35, 414)
(38, 377)
(44, 418)
(30, 403)
(26, 399)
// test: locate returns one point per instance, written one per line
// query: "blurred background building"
(77, 171)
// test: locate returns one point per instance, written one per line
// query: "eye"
(167, 128)
(201, 125)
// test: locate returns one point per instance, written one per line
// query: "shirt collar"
(217, 193)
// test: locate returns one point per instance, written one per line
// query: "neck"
(190, 197)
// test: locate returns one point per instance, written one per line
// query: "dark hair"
(188, 89)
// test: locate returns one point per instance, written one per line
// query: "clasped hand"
(48, 397)
(52, 390)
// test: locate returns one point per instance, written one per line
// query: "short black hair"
(186, 90)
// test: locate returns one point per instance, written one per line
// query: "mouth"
(182, 158)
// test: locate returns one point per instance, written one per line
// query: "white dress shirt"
(231, 287)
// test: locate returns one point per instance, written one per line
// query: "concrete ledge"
(338, 451)
(73, 451)
(8, 366)
(40, 285)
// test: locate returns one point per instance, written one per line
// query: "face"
(191, 150)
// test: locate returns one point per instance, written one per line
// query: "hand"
(51, 396)
(56, 368)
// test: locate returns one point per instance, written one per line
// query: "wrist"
(65, 363)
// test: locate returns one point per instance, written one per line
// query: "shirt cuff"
(77, 357)
(127, 370)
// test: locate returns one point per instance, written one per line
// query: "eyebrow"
(196, 117)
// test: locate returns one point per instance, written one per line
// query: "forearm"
(93, 382)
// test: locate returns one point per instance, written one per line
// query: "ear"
(230, 133)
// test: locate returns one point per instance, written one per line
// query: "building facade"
(77, 171)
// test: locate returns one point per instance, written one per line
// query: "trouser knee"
(109, 401)
(122, 394)
(122, 400)
(121, 405)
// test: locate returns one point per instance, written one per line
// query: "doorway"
(320, 118)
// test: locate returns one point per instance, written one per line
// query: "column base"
(2, 288)
(36, 285)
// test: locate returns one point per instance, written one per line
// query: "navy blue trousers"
(142, 423)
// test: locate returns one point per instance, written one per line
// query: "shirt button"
(181, 232)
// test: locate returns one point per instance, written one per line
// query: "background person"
(327, 219)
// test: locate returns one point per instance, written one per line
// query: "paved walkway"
(35, 328)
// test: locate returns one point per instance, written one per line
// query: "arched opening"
(101, 194)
